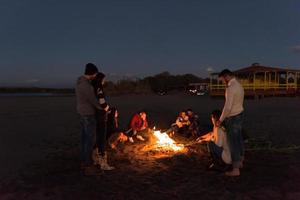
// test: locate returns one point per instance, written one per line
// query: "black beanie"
(90, 69)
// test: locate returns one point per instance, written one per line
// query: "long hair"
(97, 82)
(216, 114)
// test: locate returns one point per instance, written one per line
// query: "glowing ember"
(165, 142)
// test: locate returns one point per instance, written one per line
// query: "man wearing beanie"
(86, 107)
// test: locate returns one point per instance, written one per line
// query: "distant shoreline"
(15, 91)
(37, 94)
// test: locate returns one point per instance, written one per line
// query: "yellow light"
(165, 142)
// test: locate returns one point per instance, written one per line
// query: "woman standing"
(100, 155)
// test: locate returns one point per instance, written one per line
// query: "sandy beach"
(39, 147)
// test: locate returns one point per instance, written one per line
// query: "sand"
(39, 139)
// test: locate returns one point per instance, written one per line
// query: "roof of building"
(254, 68)
(260, 68)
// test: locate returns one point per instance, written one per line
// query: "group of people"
(225, 142)
(186, 124)
(99, 125)
(99, 122)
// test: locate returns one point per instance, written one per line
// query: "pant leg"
(215, 152)
(130, 133)
(88, 131)
(235, 139)
(101, 132)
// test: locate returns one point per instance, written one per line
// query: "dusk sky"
(47, 43)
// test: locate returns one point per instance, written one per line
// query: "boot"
(95, 156)
(103, 163)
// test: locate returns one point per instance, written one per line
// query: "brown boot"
(95, 156)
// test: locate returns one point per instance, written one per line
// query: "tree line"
(162, 82)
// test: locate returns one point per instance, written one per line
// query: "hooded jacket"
(85, 97)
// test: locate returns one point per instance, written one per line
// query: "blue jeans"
(215, 152)
(88, 133)
(235, 140)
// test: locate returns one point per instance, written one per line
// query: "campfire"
(164, 142)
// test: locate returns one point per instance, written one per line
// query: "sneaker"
(131, 139)
(140, 138)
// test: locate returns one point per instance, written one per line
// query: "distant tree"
(165, 81)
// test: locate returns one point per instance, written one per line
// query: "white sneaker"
(131, 139)
(140, 137)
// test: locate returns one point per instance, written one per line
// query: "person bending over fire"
(114, 134)
(181, 125)
(217, 144)
(138, 126)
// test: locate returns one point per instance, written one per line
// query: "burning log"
(166, 143)
(160, 144)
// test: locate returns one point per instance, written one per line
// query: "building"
(261, 81)
(198, 89)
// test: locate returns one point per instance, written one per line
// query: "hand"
(218, 123)
(106, 108)
(199, 140)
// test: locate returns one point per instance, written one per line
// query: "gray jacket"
(85, 96)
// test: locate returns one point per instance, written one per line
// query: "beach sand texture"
(39, 147)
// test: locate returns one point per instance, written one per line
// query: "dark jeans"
(215, 152)
(173, 128)
(88, 132)
(235, 140)
(101, 132)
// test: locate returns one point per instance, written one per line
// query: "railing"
(259, 86)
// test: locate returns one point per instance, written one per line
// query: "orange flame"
(164, 141)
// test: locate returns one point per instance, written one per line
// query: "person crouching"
(138, 126)
(217, 144)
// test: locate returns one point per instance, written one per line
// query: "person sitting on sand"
(217, 143)
(181, 124)
(114, 134)
(193, 128)
(138, 126)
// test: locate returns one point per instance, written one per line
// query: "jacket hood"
(82, 79)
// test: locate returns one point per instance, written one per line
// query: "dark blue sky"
(47, 43)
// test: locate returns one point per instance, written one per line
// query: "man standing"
(232, 116)
(86, 107)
